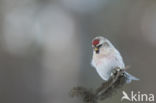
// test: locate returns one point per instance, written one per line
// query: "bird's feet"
(116, 71)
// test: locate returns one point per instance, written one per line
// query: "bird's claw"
(118, 69)
(112, 74)
(115, 71)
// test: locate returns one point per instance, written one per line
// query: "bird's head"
(99, 43)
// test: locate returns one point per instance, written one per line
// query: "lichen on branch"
(106, 89)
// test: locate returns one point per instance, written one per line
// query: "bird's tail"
(130, 77)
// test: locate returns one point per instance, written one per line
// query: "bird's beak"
(96, 49)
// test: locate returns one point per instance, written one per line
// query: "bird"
(106, 58)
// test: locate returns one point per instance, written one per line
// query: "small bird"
(106, 58)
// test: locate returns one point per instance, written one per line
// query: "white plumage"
(106, 57)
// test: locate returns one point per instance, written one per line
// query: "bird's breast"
(99, 59)
(103, 68)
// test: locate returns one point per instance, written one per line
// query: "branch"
(104, 91)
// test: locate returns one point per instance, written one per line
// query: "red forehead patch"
(95, 42)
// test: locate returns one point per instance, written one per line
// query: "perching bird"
(106, 58)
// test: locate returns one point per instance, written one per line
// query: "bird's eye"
(99, 45)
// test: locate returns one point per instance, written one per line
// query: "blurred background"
(45, 46)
